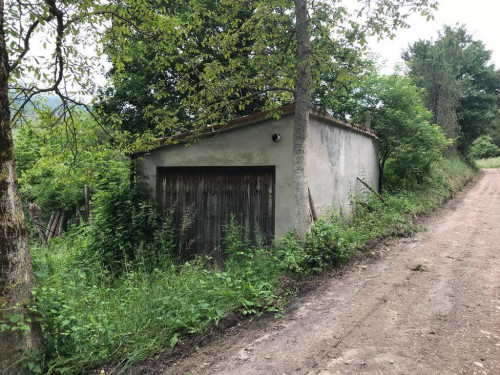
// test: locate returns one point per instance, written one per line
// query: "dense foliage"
(409, 144)
(483, 147)
(90, 317)
(184, 77)
(462, 85)
(127, 230)
(54, 163)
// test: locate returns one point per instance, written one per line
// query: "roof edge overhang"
(323, 115)
(252, 119)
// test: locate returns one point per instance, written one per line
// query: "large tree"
(145, 79)
(65, 29)
(16, 275)
(462, 85)
(409, 143)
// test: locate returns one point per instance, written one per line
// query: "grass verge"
(488, 163)
(90, 317)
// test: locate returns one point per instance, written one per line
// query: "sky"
(481, 18)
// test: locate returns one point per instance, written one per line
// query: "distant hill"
(51, 100)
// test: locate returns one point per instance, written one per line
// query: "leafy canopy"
(408, 143)
(54, 166)
(462, 86)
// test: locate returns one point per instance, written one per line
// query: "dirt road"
(427, 305)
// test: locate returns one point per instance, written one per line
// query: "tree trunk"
(16, 273)
(380, 180)
(301, 120)
(77, 215)
(381, 168)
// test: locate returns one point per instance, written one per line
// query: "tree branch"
(254, 94)
(59, 16)
(26, 42)
(105, 12)
(90, 112)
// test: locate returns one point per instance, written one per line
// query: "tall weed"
(91, 316)
(128, 232)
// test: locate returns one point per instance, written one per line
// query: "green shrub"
(128, 232)
(483, 147)
(235, 240)
(91, 317)
(324, 244)
(291, 256)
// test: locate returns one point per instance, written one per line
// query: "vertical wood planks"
(214, 193)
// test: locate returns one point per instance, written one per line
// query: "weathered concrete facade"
(337, 153)
(248, 144)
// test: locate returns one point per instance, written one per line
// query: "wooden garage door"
(213, 194)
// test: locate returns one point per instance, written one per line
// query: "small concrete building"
(245, 169)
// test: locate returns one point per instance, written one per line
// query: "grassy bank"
(488, 163)
(90, 318)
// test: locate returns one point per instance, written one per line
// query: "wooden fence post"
(53, 227)
(47, 230)
(87, 204)
(60, 224)
(77, 215)
(34, 211)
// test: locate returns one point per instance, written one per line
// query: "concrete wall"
(336, 156)
(242, 145)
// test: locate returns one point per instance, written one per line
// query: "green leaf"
(174, 340)
(15, 318)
